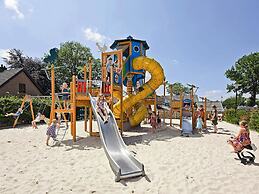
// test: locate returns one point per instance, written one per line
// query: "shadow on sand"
(82, 143)
(164, 134)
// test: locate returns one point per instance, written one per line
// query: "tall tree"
(33, 66)
(231, 102)
(245, 74)
(70, 57)
(15, 58)
(178, 88)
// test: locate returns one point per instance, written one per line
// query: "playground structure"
(124, 67)
(185, 106)
(79, 90)
(128, 68)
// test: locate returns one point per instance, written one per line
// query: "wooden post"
(52, 113)
(205, 113)
(71, 100)
(85, 113)
(181, 110)
(171, 104)
(164, 100)
(192, 108)
(111, 88)
(121, 97)
(90, 91)
(155, 109)
(32, 112)
(73, 107)
(22, 105)
(90, 121)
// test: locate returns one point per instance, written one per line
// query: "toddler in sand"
(199, 123)
(242, 139)
(51, 131)
(153, 122)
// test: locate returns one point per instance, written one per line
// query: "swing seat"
(247, 157)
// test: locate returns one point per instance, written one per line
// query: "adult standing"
(214, 118)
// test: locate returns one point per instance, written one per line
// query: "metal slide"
(187, 126)
(123, 164)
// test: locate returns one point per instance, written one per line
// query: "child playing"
(65, 94)
(153, 122)
(199, 123)
(101, 109)
(17, 114)
(158, 119)
(242, 139)
(40, 117)
(51, 131)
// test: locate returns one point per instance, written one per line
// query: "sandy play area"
(173, 164)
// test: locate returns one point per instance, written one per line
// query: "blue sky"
(195, 41)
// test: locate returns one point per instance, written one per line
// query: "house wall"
(12, 86)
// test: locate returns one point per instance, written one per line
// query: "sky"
(194, 41)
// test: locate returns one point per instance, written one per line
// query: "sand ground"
(173, 164)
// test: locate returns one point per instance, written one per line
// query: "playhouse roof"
(129, 38)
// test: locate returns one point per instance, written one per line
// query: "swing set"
(28, 102)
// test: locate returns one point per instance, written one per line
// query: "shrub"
(233, 116)
(254, 121)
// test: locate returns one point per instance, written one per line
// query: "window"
(136, 49)
(22, 88)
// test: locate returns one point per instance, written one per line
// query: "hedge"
(234, 117)
(10, 104)
(254, 121)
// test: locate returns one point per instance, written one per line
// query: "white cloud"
(93, 35)
(175, 61)
(214, 94)
(4, 53)
(14, 6)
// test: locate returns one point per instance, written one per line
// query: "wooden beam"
(205, 113)
(52, 113)
(181, 110)
(112, 88)
(171, 104)
(73, 107)
(85, 113)
(22, 105)
(164, 100)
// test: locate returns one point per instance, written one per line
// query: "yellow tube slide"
(157, 78)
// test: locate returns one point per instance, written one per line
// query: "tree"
(33, 66)
(15, 58)
(2, 68)
(178, 88)
(245, 74)
(231, 102)
(69, 58)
